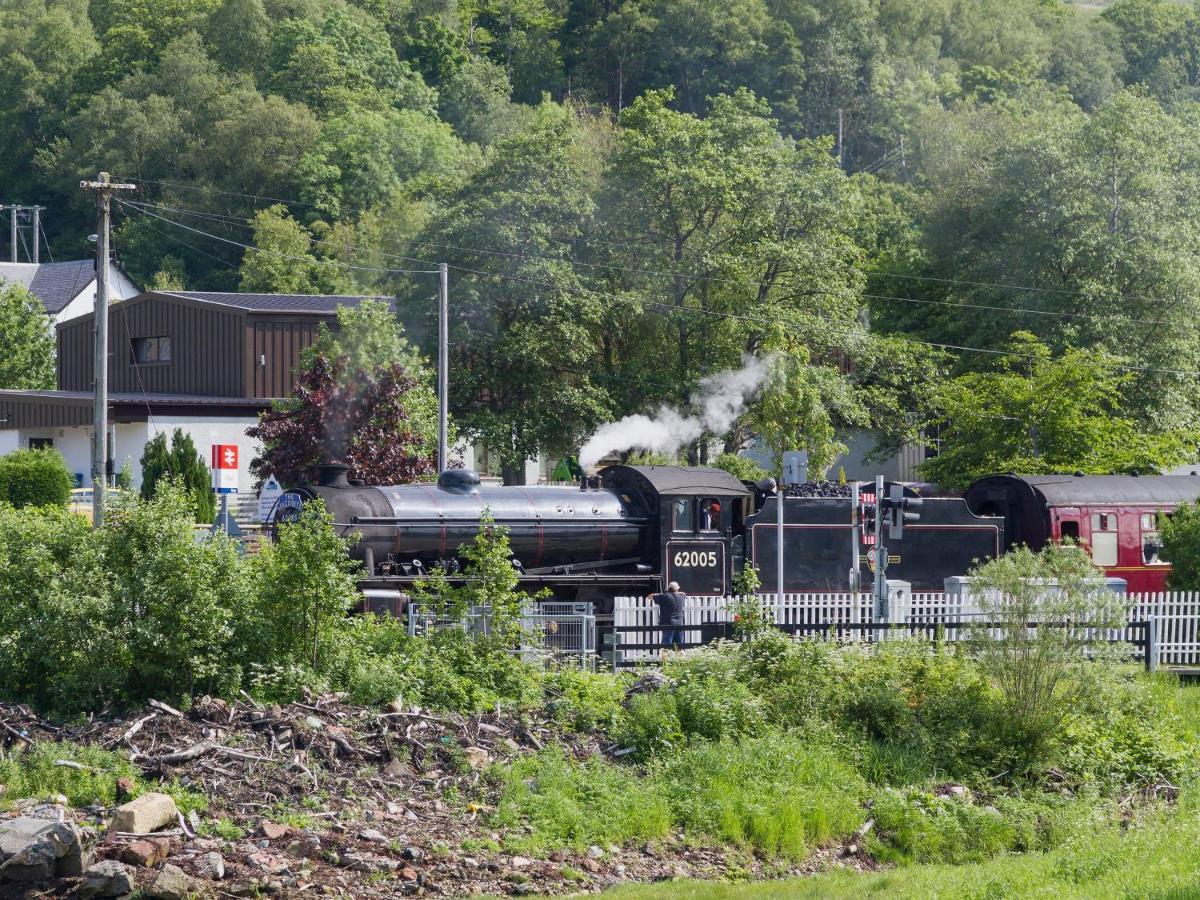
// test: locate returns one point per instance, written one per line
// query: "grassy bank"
(1158, 858)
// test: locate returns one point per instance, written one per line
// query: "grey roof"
(55, 283)
(1090, 490)
(321, 304)
(687, 480)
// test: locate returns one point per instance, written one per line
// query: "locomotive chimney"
(333, 475)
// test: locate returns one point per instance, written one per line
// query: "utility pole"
(443, 367)
(104, 189)
(37, 230)
(32, 249)
(12, 221)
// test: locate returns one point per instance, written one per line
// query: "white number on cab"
(692, 558)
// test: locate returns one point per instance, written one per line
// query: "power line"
(329, 262)
(666, 306)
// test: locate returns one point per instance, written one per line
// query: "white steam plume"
(719, 400)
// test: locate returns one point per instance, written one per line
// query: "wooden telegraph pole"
(104, 188)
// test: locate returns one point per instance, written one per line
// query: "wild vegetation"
(632, 196)
(954, 753)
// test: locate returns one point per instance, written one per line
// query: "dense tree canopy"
(634, 195)
(28, 358)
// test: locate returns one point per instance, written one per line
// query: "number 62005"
(685, 558)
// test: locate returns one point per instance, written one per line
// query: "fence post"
(1152, 644)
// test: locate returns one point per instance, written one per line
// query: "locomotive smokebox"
(333, 475)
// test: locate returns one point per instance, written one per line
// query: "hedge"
(35, 478)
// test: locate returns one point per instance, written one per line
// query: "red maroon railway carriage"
(1115, 517)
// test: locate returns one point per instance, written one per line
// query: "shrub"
(1181, 546)
(1040, 672)
(305, 588)
(35, 478)
(183, 464)
(585, 701)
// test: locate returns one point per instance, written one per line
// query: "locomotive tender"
(632, 529)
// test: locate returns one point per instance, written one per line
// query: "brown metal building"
(207, 344)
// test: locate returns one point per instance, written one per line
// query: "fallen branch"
(71, 764)
(136, 727)
(194, 752)
(14, 732)
(162, 707)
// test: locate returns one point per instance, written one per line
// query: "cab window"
(683, 516)
(1104, 539)
(710, 514)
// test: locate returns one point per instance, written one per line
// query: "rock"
(589, 865)
(58, 800)
(519, 862)
(414, 854)
(374, 836)
(595, 852)
(512, 745)
(212, 865)
(172, 883)
(193, 818)
(147, 813)
(366, 862)
(395, 768)
(32, 849)
(145, 853)
(273, 831)
(653, 680)
(619, 870)
(106, 879)
(476, 757)
(408, 873)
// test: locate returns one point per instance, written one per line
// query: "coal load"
(824, 489)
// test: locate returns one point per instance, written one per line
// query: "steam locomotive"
(629, 530)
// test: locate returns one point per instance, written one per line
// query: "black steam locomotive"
(632, 529)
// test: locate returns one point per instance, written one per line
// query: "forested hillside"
(633, 194)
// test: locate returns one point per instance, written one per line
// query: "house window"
(41, 443)
(710, 515)
(682, 515)
(151, 350)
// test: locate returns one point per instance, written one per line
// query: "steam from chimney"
(719, 400)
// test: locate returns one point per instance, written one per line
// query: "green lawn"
(1160, 859)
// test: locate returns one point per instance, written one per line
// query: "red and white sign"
(225, 468)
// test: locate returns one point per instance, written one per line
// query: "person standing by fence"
(670, 615)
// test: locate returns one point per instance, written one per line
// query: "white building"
(68, 289)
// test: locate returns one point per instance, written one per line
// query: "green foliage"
(182, 463)
(35, 478)
(27, 338)
(740, 467)
(1181, 546)
(1042, 673)
(29, 770)
(305, 589)
(585, 701)
(1038, 413)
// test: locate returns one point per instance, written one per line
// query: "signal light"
(901, 509)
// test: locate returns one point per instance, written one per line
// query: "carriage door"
(1104, 539)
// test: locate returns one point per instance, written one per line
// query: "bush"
(1181, 546)
(35, 478)
(585, 701)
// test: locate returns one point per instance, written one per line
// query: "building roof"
(55, 283)
(686, 480)
(311, 304)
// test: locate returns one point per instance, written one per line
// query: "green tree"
(181, 463)
(28, 359)
(1181, 546)
(282, 262)
(522, 323)
(1036, 413)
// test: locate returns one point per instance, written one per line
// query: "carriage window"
(710, 515)
(682, 516)
(1069, 531)
(1104, 539)
(1151, 542)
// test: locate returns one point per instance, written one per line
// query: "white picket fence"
(1176, 616)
